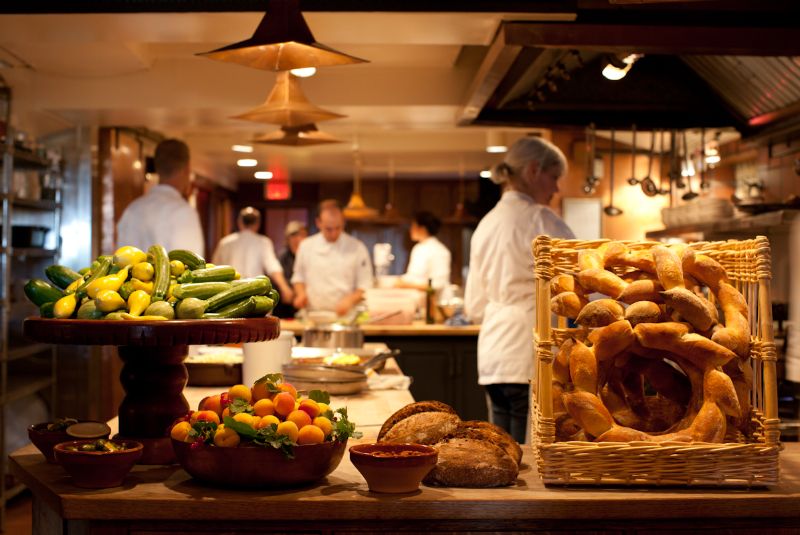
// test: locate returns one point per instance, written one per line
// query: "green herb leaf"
(239, 405)
(271, 380)
(344, 428)
(243, 430)
(269, 437)
(204, 431)
(320, 396)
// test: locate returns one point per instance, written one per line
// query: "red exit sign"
(277, 190)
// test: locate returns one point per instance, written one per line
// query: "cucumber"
(240, 309)
(61, 276)
(103, 265)
(191, 260)
(264, 305)
(200, 290)
(237, 293)
(161, 276)
(46, 310)
(214, 274)
(40, 292)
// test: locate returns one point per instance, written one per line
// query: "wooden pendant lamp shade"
(297, 136)
(286, 105)
(356, 207)
(282, 41)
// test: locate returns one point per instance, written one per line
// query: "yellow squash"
(109, 301)
(109, 282)
(128, 255)
(65, 306)
(144, 286)
(138, 301)
(143, 271)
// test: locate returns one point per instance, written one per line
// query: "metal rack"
(19, 376)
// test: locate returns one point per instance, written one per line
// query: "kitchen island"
(442, 360)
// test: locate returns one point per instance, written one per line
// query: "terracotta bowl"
(98, 469)
(258, 467)
(44, 440)
(393, 468)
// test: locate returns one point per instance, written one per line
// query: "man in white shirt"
(251, 253)
(429, 259)
(163, 216)
(332, 269)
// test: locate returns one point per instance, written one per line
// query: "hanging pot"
(649, 187)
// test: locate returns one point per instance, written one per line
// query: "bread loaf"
(494, 434)
(466, 461)
(600, 313)
(423, 422)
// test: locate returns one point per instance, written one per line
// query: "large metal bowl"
(335, 380)
(333, 335)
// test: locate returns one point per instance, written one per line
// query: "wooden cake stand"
(153, 375)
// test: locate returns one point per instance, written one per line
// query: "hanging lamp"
(286, 105)
(282, 41)
(390, 211)
(356, 207)
(459, 215)
(297, 136)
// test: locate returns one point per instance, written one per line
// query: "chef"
(500, 285)
(332, 269)
(163, 215)
(429, 259)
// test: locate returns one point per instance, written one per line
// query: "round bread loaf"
(423, 422)
(468, 461)
(496, 435)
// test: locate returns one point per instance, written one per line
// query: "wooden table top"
(167, 492)
(415, 329)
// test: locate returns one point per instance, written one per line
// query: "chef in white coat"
(429, 259)
(500, 286)
(251, 253)
(163, 215)
(332, 269)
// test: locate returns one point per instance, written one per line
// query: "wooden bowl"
(45, 440)
(393, 468)
(98, 469)
(258, 467)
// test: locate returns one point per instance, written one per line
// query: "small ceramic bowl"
(98, 469)
(393, 468)
(44, 440)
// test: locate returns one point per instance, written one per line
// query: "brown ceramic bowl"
(257, 466)
(44, 440)
(393, 468)
(98, 469)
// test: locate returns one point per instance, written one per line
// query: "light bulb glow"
(247, 162)
(304, 72)
(263, 175)
(611, 72)
(242, 148)
(486, 174)
(496, 149)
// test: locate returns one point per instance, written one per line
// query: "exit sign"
(277, 190)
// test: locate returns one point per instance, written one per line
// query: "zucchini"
(40, 292)
(275, 296)
(190, 308)
(46, 310)
(160, 308)
(190, 259)
(103, 265)
(89, 311)
(161, 276)
(200, 290)
(263, 305)
(237, 293)
(61, 276)
(240, 309)
(214, 274)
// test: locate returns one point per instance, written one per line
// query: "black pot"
(28, 235)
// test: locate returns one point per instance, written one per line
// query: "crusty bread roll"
(567, 304)
(668, 267)
(618, 254)
(466, 461)
(423, 422)
(643, 312)
(600, 313)
(589, 259)
(612, 339)
(564, 283)
(642, 290)
(623, 434)
(718, 387)
(602, 281)
(583, 367)
(590, 413)
(694, 309)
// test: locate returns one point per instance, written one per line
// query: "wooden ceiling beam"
(652, 39)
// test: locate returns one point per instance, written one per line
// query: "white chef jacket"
(252, 254)
(161, 216)
(500, 287)
(331, 271)
(429, 259)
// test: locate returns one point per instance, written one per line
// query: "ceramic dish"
(45, 440)
(98, 469)
(393, 468)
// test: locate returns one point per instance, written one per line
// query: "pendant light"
(390, 210)
(286, 105)
(297, 136)
(459, 215)
(282, 41)
(356, 207)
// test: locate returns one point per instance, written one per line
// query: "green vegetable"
(237, 293)
(84, 271)
(126, 290)
(213, 274)
(190, 308)
(103, 265)
(200, 290)
(264, 305)
(160, 308)
(275, 296)
(266, 436)
(161, 277)
(89, 311)
(190, 259)
(343, 428)
(239, 309)
(61, 276)
(40, 292)
(116, 316)
(47, 310)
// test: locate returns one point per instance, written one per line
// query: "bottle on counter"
(429, 304)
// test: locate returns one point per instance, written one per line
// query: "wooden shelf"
(735, 224)
(35, 252)
(23, 351)
(22, 385)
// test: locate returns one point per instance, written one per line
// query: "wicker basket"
(752, 462)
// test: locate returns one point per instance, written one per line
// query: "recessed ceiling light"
(242, 148)
(486, 174)
(304, 72)
(263, 175)
(247, 162)
(496, 142)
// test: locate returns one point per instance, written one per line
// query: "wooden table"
(164, 499)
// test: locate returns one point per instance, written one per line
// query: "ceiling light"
(242, 148)
(247, 162)
(486, 173)
(356, 207)
(496, 142)
(263, 175)
(617, 66)
(137, 164)
(298, 136)
(282, 41)
(305, 72)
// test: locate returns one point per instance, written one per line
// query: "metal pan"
(333, 379)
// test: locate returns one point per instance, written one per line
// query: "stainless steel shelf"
(43, 204)
(34, 252)
(23, 385)
(28, 160)
(752, 223)
(21, 352)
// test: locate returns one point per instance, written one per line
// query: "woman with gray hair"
(500, 285)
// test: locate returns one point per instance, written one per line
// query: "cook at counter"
(429, 259)
(332, 269)
(500, 284)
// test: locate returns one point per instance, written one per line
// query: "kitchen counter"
(164, 499)
(415, 329)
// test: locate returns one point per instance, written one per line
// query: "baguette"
(589, 412)
(668, 267)
(602, 281)
(583, 367)
(600, 313)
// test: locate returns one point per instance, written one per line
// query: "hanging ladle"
(661, 189)
(611, 210)
(649, 187)
(703, 184)
(689, 195)
(633, 181)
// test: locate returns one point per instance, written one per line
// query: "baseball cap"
(293, 227)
